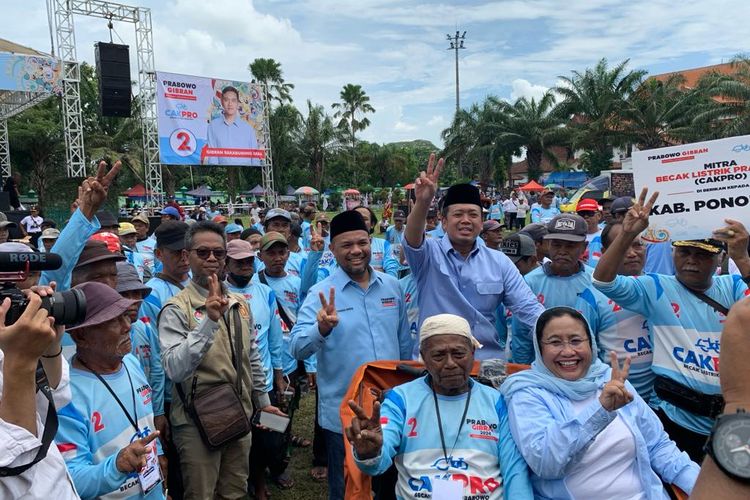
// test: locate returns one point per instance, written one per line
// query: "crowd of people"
(201, 335)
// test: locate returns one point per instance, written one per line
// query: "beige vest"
(216, 366)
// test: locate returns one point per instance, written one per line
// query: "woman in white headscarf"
(582, 428)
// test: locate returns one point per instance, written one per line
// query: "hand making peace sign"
(327, 316)
(216, 302)
(427, 183)
(93, 190)
(365, 432)
(636, 220)
(614, 394)
(317, 243)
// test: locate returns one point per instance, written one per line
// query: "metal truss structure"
(64, 10)
(267, 166)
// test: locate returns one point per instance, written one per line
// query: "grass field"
(304, 486)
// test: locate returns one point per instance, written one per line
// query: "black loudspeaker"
(113, 68)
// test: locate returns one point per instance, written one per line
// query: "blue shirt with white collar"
(238, 134)
(472, 288)
(372, 326)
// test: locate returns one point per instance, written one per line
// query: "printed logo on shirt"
(248, 296)
(482, 429)
(290, 296)
(540, 298)
(407, 298)
(479, 487)
(96, 419)
(145, 392)
(388, 302)
(676, 309)
(700, 362)
(198, 315)
(638, 347)
(442, 464)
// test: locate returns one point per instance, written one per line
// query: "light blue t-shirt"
(238, 134)
(93, 429)
(146, 349)
(686, 332)
(542, 215)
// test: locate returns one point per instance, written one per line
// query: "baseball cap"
(128, 279)
(240, 249)
(517, 246)
(106, 218)
(535, 231)
(49, 222)
(110, 239)
(97, 251)
(220, 219)
(399, 215)
(271, 238)
(102, 304)
(171, 211)
(567, 227)
(546, 191)
(278, 212)
(126, 228)
(491, 225)
(141, 217)
(708, 244)
(587, 205)
(4, 222)
(171, 235)
(50, 234)
(621, 205)
(233, 228)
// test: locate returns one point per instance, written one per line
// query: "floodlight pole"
(456, 43)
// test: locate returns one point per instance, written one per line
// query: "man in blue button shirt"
(458, 274)
(231, 131)
(363, 319)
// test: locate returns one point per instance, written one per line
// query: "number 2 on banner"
(182, 141)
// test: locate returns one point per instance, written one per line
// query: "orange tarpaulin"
(367, 385)
(532, 186)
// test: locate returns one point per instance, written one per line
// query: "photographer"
(23, 410)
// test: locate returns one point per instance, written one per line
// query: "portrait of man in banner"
(231, 131)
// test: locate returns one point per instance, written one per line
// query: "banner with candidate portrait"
(209, 121)
(699, 186)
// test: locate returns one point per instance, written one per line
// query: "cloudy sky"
(397, 50)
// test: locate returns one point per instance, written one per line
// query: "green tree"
(533, 126)
(269, 73)
(727, 112)
(594, 102)
(351, 111)
(315, 141)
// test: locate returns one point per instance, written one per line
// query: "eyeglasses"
(203, 253)
(559, 345)
(587, 213)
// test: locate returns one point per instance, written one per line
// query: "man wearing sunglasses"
(199, 330)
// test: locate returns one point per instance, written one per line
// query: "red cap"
(220, 219)
(111, 239)
(587, 205)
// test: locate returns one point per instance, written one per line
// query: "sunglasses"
(586, 214)
(203, 253)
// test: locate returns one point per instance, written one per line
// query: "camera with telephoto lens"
(67, 307)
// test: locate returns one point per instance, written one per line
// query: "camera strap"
(50, 426)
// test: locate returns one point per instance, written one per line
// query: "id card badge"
(150, 475)
(447, 489)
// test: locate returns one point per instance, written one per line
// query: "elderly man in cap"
(492, 234)
(48, 239)
(589, 210)
(107, 434)
(354, 316)
(81, 226)
(421, 423)
(268, 448)
(280, 221)
(458, 274)
(558, 282)
(233, 232)
(686, 313)
(207, 339)
(145, 243)
(537, 232)
(169, 213)
(128, 237)
(521, 251)
(544, 211)
(145, 340)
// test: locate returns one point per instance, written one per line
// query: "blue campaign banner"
(208, 121)
(28, 73)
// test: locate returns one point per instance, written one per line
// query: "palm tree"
(593, 101)
(268, 72)
(533, 126)
(350, 111)
(315, 139)
(659, 113)
(727, 114)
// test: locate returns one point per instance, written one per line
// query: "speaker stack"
(113, 68)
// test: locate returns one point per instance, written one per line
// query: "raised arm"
(425, 187)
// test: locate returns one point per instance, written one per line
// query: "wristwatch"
(729, 444)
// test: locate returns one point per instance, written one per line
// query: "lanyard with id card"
(448, 489)
(149, 476)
